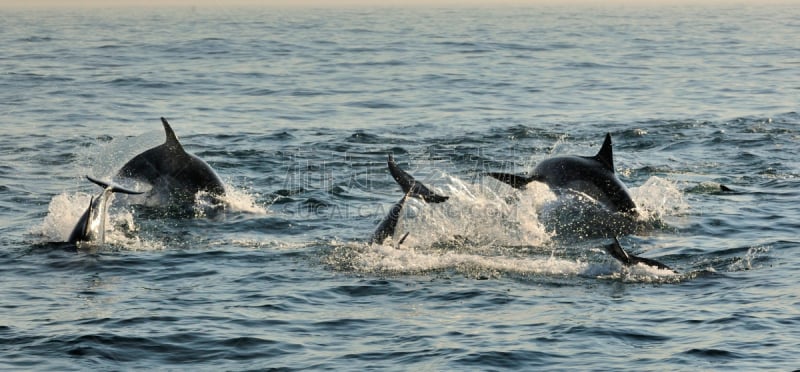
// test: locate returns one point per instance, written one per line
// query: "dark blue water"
(297, 110)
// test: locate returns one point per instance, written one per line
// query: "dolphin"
(175, 175)
(411, 188)
(91, 225)
(590, 175)
(627, 259)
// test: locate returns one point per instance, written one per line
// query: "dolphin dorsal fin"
(605, 155)
(172, 139)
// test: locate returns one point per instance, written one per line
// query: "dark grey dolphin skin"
(591, 175)
(627, 259)
(173, 172)
(91, 225)
(411, 188)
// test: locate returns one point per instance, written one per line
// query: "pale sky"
(335, 3)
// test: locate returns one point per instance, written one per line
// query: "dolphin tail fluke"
(616, 251)
(114, 187)
(411, 187)
(513, 180)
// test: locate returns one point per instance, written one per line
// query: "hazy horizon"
(347, 3)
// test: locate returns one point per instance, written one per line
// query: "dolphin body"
(627, 259)
(91, 225)
(411, 188)
(590, 175)
(175, 175)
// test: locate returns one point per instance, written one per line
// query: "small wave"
(372, 104)
(715, 354)
(140, 83)
(36, 39)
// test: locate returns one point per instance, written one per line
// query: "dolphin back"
(592, 175)
(174, 175)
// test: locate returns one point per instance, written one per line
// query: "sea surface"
(297, 111)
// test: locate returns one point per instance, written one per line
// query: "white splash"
(490, 229)
(475, 213)
(63, 213)
(658, 198)
(242, 200)
(66, 209)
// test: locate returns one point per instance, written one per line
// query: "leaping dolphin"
(91, 225)
(591, 175)
(627, 259)
(175, 175)
(411, 188)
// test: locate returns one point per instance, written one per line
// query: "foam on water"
(486, 230)
(641, 273)
(383, 259)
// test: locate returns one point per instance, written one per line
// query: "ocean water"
(297, 110)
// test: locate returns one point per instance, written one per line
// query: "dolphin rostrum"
(175, 175)
(591, 175)
(91, 225)
(411, 188)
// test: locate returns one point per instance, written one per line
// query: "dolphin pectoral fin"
(513, 180)
(114, 187)
(616, 251)
(402, 239)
